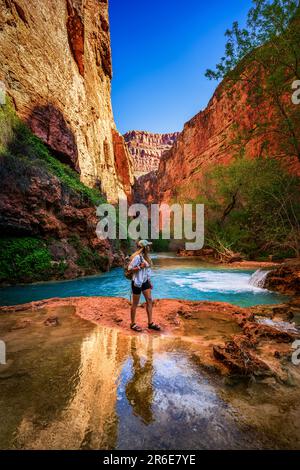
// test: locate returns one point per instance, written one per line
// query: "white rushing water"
(173, 278)
(258, 279)
(214, 281)
(279, 325)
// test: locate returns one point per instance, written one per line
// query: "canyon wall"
(147, 149)
(55, 62)
(210, 139)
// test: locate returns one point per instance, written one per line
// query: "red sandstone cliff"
(147, 149)
(209, 139)
(55, 61)
(42, 206)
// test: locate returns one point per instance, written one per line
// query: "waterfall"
(258, 278)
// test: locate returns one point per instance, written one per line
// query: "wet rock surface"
(229, 339)
(97, 377)
(285, 279)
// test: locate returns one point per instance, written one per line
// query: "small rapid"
(258, 279)
(222, 282)
(173, 278)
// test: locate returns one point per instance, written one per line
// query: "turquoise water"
(172, 278)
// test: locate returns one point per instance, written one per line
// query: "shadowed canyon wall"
(147, 149)
(55, 61)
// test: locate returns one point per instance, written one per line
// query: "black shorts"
(138, 290)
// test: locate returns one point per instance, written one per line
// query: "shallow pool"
(173, 277)
(81, 386)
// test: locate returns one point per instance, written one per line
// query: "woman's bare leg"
(135, 302)
(149, 303)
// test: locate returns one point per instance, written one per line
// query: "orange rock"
(147, 149)
(56, 66)
(207, 140)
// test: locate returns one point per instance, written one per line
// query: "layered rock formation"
(285, 279)
(210, 139)
(55, 64)
(47, 220)
(55, 61)
(147, 149)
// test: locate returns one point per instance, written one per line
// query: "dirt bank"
(209, 256)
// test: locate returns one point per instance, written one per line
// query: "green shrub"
(19, 145)
(160, 245)
(253, 207)
(22, 259)
(89, 259)
(8, 121)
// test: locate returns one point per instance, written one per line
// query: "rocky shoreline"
(254, 342)
(285, 279)
(251, 342)
(209, 255)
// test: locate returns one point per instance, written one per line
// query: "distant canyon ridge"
(147, 149)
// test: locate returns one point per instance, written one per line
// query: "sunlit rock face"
(210, 138)
(147, 149)
(89, 420)
(55, 61)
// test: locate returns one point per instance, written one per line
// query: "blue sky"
(161, 49)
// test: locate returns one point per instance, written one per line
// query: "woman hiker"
(140, 264)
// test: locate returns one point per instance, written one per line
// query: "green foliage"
(160, 245)
(91, 259)
(21, 151)
(8, 122)
(253, 205)
(121, 227)
(88, 258)
(24, 258)
(264, 58)
(254, 208)
(268, 22)
(28, 259)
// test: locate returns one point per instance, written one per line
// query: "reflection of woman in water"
(139, 390)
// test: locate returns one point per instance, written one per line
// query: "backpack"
(128, 273)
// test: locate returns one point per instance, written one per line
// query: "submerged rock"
(239, 357)
(253, 352)
(52, 321)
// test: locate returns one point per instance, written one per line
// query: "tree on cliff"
(252, 207)
(264, 58)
